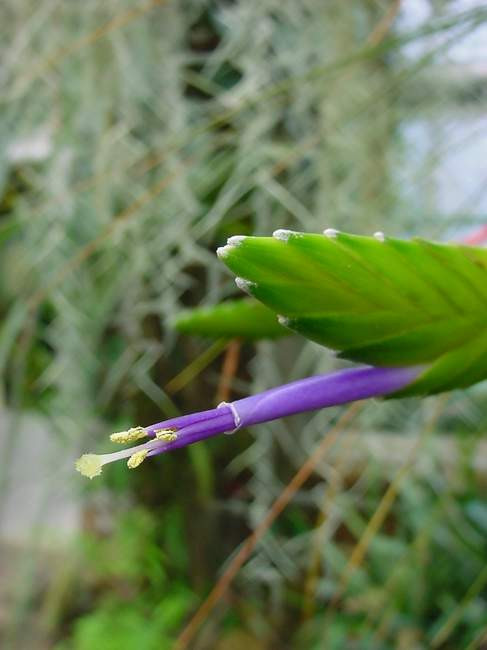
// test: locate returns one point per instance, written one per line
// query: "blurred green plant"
(145, 603)
(243, 319)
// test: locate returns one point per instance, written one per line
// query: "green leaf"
(245, 319)
(385, 303)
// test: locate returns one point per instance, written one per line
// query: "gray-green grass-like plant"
(170, 129)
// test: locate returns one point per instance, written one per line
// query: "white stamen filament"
(90, 465)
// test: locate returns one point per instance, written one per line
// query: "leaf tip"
(245, 285)
(236, 240)
(283, 235)
(232, 243)
(222, 251)
(331, 233)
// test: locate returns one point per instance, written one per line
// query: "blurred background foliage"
(136, 137)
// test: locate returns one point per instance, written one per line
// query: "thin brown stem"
(301, 476)
(229, 370)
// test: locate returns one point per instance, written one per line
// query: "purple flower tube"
(308, 394)
(322, 391)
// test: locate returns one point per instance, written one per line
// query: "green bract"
(381, 301)
(245, 319)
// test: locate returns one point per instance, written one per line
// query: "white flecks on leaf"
(245, 285)
(283, 235)
(236, 240)
(232, 243)
(222, 251)
(332, 233)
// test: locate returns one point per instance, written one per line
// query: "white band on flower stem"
(237, 420)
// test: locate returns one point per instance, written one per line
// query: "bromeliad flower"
(299, 396)
(415, 311)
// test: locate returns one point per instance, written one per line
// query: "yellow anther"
(166, 435)
(136, 459)
(89, 465)
(124, 437)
